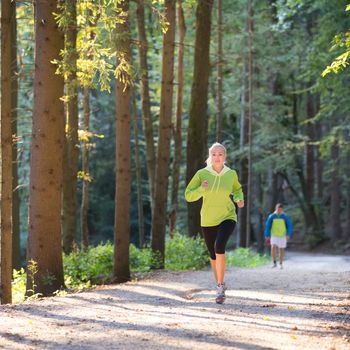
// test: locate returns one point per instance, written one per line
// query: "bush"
(94, 264)
(18, 285)
(245, 257)
(185, 253)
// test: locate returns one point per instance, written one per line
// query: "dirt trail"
(304, 306)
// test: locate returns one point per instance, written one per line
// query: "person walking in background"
(216, 183)
(278, 229)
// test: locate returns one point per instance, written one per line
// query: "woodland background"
(108, 108)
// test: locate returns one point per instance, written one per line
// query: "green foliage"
(185, 253)
(341, 41)
(141, 260)
(245, 257)
(94, 264)
(18, 285)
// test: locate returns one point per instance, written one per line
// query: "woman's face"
(218, 156)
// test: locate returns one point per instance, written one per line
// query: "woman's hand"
(205, 184)
(240, 204)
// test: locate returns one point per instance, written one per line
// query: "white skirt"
(280, 242)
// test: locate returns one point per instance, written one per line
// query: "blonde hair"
(216, 144)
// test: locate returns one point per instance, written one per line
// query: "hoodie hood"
(224, 170)
(216, 185)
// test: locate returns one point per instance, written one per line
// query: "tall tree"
(84, 227)
(71, 150)
(178, 119)
(145, 98)
(220, 75)
(45, 189)
(159, 212)
(334, 217)
(123, 149)
(347, 185)
(16, 246)
(198, 121)
(90, 36)
(6, 155)
(141, 225)
(246, 132)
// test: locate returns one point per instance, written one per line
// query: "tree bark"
(123, 156)
(310, 151)
(335, 227)
(220, 76)
(197, 149)
(141, 225)
(250, 121)
(16, 239)
(159, 214)
(246, 134)
(70, 165)
(6, 156)
(145, 98)
(45, 188)
(178, 125)
(347, 173)
(84, 210)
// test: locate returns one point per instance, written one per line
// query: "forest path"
(304, 306)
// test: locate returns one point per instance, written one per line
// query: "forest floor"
(304, 306)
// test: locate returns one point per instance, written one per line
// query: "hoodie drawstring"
(217, 185)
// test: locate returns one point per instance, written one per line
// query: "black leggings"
(216, 237)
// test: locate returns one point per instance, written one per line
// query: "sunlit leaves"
(341, 40)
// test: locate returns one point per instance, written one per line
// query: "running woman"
(216, 183)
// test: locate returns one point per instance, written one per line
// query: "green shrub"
(245, 257)
(185, 253)
(140, 259)
(94, 264)
(18, 286)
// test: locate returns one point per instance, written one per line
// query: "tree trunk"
(45, 188)
(335, 227)
(16, 242)
(159, 214)
(197, 147)
(145, 98)
(70, 166)
(178, 126)
(220, 76)
(123, 155)
(272, 181)
(258, 210)
(245, 139)
(6, 155)
(84, 226)
(250, 121)
(347, 177)
(312, 223)
(310, 152)
(319, 165)
(138, 176)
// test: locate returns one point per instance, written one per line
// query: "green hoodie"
(217, 205)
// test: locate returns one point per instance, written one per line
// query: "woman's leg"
(209, 235)
(213, 266)
(224, 231)
(220, 268)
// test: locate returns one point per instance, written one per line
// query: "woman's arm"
(194, 189)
